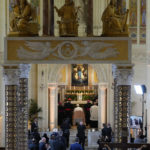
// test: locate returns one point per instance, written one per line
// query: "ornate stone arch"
(101, 70)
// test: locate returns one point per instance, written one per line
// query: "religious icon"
(79, 75)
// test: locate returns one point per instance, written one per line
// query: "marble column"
(48, 17)
(11, 78)
(45, 17)
(62, 94)
(22, 108)
(53, 105)
(90, 18)
(102, 105)
(122, 97)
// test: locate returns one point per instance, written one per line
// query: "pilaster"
(102, 105)
(11, 78)
(53, 105)
(22, 108)
(122, 98)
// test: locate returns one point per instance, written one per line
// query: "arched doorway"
(59, 83)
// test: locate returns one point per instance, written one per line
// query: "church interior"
(82, 60)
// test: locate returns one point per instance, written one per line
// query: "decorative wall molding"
(68, 50)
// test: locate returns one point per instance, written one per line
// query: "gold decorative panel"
(67, 50)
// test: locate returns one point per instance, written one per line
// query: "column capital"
(11, 74)
(123, 73)
(24, 70)
(102, 86)
(52, 85)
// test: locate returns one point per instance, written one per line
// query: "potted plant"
(34, 110)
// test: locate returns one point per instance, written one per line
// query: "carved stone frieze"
(24, 70)
(68, 50)
(11, 75)
(123, 74)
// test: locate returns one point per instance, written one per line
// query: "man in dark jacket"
(104, 132)
(87, 112)
(109, 133)
(65, 128)
(60, 113)
(34, 126)
(81, 134)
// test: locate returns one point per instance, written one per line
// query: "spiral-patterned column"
(122, 99)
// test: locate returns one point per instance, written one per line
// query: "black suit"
(87, 112)
(34, 127)
(81, 134)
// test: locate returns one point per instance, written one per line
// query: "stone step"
(89, 148)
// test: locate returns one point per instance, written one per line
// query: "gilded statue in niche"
(22, 20)
(114, 22)
(68, 26)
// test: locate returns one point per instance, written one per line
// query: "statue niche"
(22, 19)
(114, 22)
(68, 26)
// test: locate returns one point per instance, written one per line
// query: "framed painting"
(79, 74)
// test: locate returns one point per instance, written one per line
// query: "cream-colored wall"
(33, 82)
